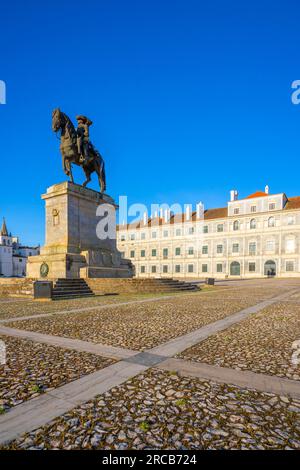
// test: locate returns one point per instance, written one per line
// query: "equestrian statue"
(76, 147)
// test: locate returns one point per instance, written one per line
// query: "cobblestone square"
(203, 370)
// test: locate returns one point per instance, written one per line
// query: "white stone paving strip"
(243, 379)
(88, 309)
(102, 306)
(69, 343)
(39, 411)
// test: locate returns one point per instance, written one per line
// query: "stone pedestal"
(75, 217)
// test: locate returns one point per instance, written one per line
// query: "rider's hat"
(84, 119)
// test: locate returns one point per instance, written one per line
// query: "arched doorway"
(270, 268)
(235, 269)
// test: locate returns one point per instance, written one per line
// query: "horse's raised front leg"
(68, 169)
(88, 177)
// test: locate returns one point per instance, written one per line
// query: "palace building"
(13, 255)
(255, 236)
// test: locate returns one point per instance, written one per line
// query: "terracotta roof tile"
(209, 214)
(219, 213)
(257, 194)
(293, 203)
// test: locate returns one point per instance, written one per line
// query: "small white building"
(13, 256)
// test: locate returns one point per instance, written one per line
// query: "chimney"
(267, 189)
(145, 218)
(166, 216)
(161, 213)
(155, 214)
(233, 195)
(200, 210)
(188, 212)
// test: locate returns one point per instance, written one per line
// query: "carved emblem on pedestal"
(55, 216)
(44, 270)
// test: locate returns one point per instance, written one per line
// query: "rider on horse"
(83, 139)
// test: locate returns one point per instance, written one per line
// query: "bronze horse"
(70, 154)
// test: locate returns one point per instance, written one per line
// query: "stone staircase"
(139, 285)
(166, 285)
(71, 289)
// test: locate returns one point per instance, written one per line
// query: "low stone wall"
(16, 287)
(23, 287)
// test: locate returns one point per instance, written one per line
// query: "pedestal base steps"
(70, 289)
(139, 285)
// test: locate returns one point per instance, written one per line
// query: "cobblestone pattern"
(33, 368)
(138, 326)
(262, 343)
(14, 309)
(159, 410)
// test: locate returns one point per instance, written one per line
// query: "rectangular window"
(190, 268)
(252, 248)
(235, 248)
(272, 206)
(123, 238)
(219, 248)
(191, 250)
(251, 267)
(289, 266)
(132, 236)
(205, 250)
(205, 229)
(270, 245)
(153, 234)
(153, 269)
(220, 228)
(143, 269)
(153, 252)
(166, 233)
(290, 245)
(204, 268)
(291, 220)
(143, 236)
(165, 252)
(143, 253)
(219, 268)
(253, 209)
(191, 230)
(236, 211)
(178, 232)
(177, 251)
(165, 268)
(132, 254)
(177, 268)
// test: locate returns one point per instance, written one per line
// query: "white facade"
(13, 256)
(252, 237)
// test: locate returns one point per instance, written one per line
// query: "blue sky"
(189, 99)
